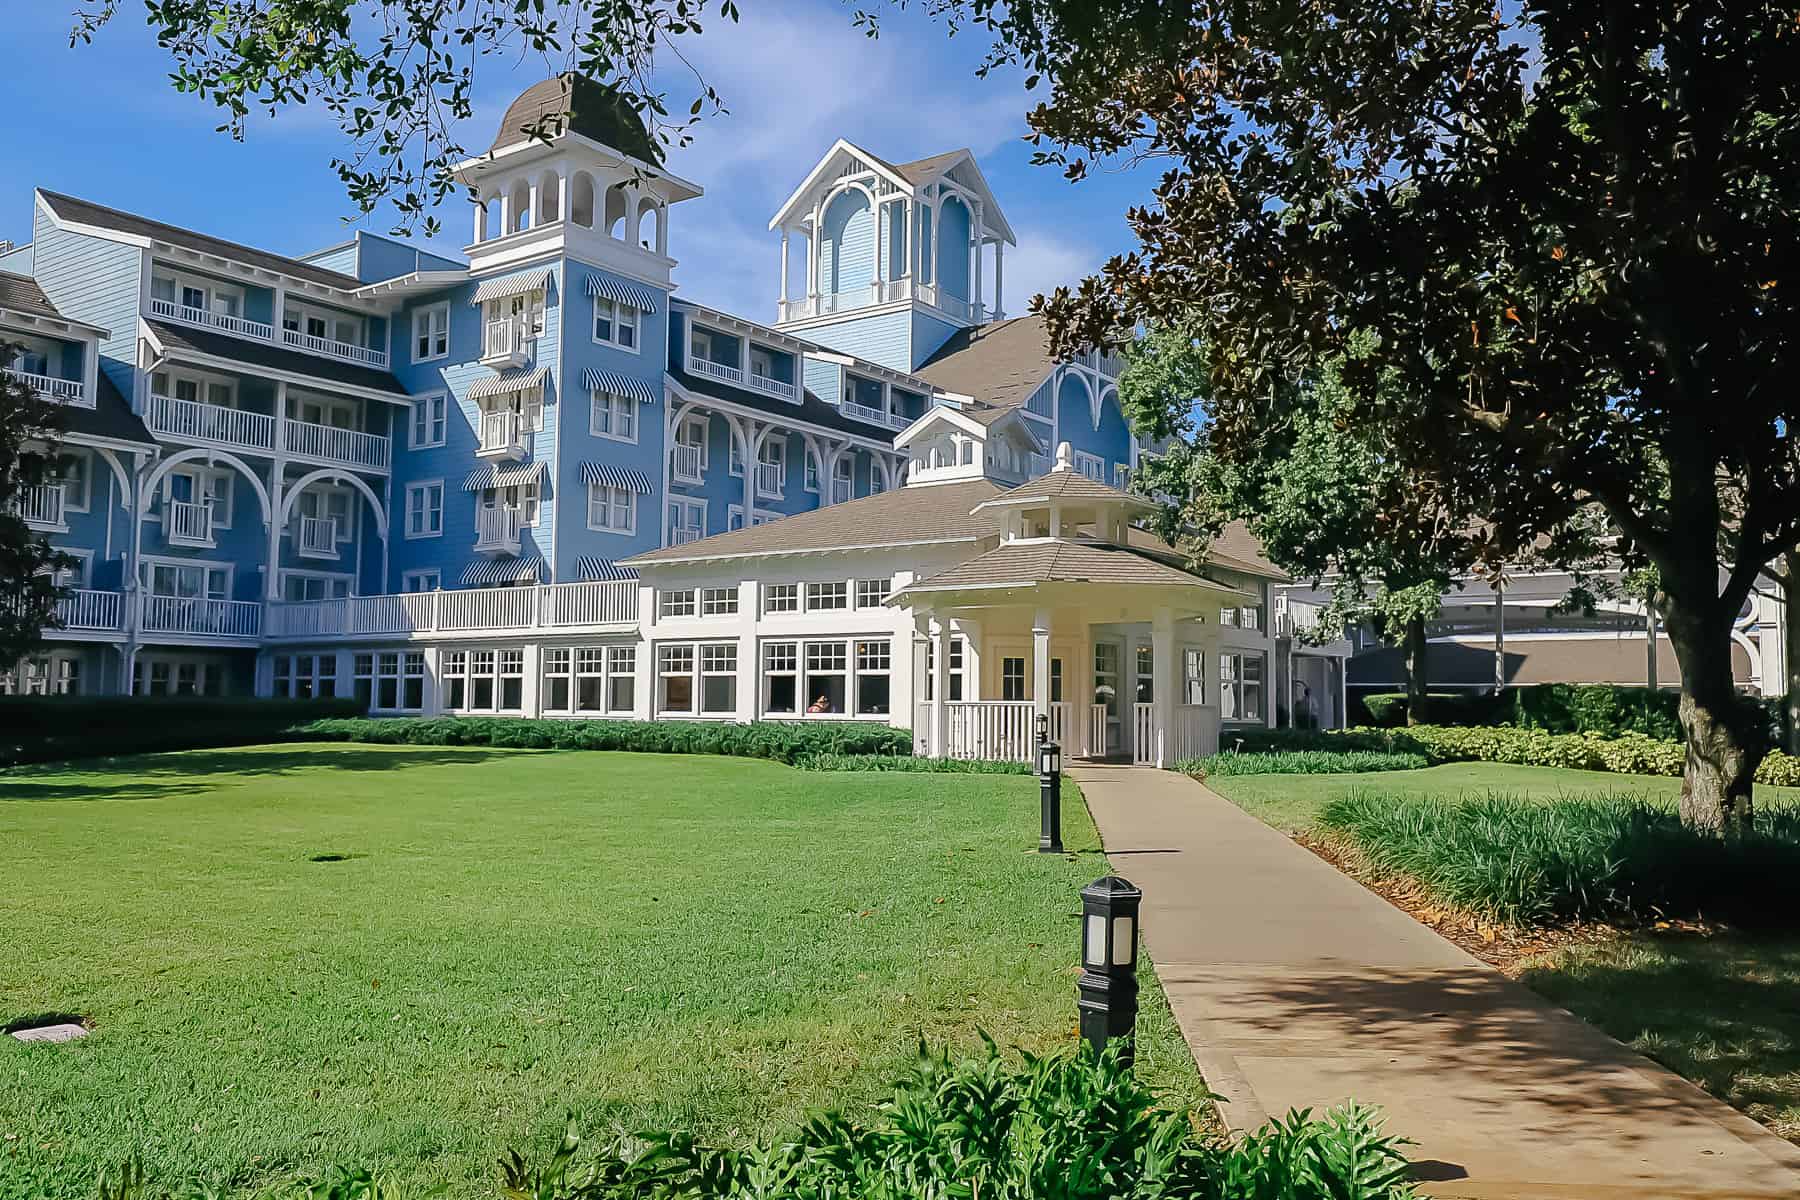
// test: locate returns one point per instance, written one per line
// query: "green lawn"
(501, 939)
(1721, 1010)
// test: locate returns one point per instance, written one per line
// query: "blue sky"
(102, 123)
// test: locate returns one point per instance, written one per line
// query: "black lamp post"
(1049, 766)
(1107, 992)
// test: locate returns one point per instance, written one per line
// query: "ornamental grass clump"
(1303, 762)
(1615, 858)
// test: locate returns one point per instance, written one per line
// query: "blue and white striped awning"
(607, 475)
(589, 569)
(621, 291)
(499, 385)
(596, 380)
(508, 286)
(493, 475)
(502, 570)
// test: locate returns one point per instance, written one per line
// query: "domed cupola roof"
(576, 104)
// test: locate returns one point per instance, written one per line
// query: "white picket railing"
(769, 479)
(502, 433)
(242, 326)
(199, 616)
(506, 340)
(41, 505)
(337, 447)
(332, 348)
(195, 421)
(1196, 732)
(1146, 738)
(998, 729)
(87, 608)
(553, 605)
(774, 387)
(685, 463)
(188, 523)
(63, 391)
(1095, 743)
(317, 537)
(704, 366)
(497, 530)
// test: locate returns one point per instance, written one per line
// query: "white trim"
(412, 421)
(406, 529)
(631, 405)
(631, 508)
(442, 306)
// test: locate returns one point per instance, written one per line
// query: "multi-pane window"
(718, 602)
(812, 471)
(430, 416)
(427, 580)
(612, 509)
(425, 509)
(621, 678)
(676, 602)
(392, 682)
(1012, 679)
(718, 679)
(1193, 676)
(781, 677)
(873, 683)
(431, 333)
(613, 417)
(615, 324)
(687, 521)
(72, 472)
(304, 676)
(557, 680)
(871, 593)
(843, 479)
(1240, 687)
(484, 680)
(781, 598)
(1091, 465)
(827, 597)
(675, 679)
(827, 677)
(1146, 674)
(589, 679)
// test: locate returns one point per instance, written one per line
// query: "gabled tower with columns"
(887, 260)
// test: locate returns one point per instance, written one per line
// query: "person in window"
(821, 705)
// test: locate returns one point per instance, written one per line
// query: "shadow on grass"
(140, 777)
(1722, 1011)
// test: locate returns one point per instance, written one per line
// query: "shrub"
(1302, 762)
(50, 728)
(1594, 708)
(1606, 858)
(899, 762)
(1389, 709)
(781, 741)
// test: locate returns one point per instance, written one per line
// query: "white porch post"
(784, 265)
(815, 252)
(534, 680)
(1343, 712)
(1163, 683)
(481, 229)
(999, 277)
(1040, 666)
(1500, 637)
(506, 212)
(1078, 685)
(940, 688)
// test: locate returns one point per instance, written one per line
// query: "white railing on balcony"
(87, 608)
(317, 537)
(197, 616)
(886, 291)
(999, 729)
(544, 606)
(187, 523)
(770, 478)
(173, 311)
(862, 412)
(62, 391)
(505, 339)
(332, 348)
(497, 530)
(774, 387)
(1196, 733)
(194, 421)
(686, 462)
(704, 366)
(337, 447)
(681, 535)
(502, 433)
(41, 505)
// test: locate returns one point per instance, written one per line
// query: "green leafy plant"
(1303, 762)
(901, 762)
(51, 728)
(781, 741)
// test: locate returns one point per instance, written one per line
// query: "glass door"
(1106, 691)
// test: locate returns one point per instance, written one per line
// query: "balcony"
(874, 416)
(88, 610)
(331, 446)
(236, 429)
(506, 343)
(502, 436)
(497, 530)
(686, 461)
(186, 523)
(170, 310)
(42, 508)
(58, 391)
(472, 611)
(317, 537)
(770, 477)
(198, 616)
(705, 366)
(348, 352)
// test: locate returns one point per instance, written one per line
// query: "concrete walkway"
(1296, 987)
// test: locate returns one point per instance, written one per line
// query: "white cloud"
(1042, 262)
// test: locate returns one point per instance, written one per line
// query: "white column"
(975, 284)
(562, 194)
(751, 432)
(1078, 690)
(533, 700)
(537, 213)
(662, 229)
(999, 278)
(1163, 686)
(506, 212)
(784, 265)
(814, 253)
(279, 307)
(749, 671)
(1040, 666)
(481, 229)
(880, 237)
(934, 253)
(1500, 636)
(940, 687)
(277, 470)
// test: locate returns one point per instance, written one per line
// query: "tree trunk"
(1724, 740)
(1790, 705)
(1416, 678)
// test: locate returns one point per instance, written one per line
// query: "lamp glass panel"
(1123, 941)
(1094, 952)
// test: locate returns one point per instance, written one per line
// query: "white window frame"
(73, 501)
(669, 666)
(818, 590)
(610, 501)
(615, 407)
(1091, 465)
(676, 603)
(813, 473)
(425, 579)
(423, 322)
(345, 578)
(784, 604)
(873, 593)
(148, 563)
(200, 484)
(1233, 685)
(617, 311)
(687, 507)
(718, 601)
(430, 423)
(422, 487)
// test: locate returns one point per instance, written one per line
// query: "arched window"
(549, 200)
(616, 205)
(521, 206)
(581, 199)
(649, 223)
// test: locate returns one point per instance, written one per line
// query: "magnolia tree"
(1582, 214)
(27, 433)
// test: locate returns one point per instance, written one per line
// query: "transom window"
(616, 324)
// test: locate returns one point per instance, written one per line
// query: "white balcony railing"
(681, 535)
(89, 609)
(186, 523)
(703, 366)
(198, 616)
(686, 462)
(242, 326)
(497, 530)
(61, 391)
(506, 342)
(42, 507)
(997, 729)
(770, 479)
(885, 291)
(774, 387)
(194, 421)
(502, 435)
(332, 348)
(317, 537)
(337, 447)
(547, 606)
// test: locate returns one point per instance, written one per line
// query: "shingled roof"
(1060, 562)
(263, 354)
(21, 293)
(1001, 363)
(1067, 485)
(576, 104)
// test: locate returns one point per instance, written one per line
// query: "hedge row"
(899, 762)
(1630, 753)
(780, 741)
(1606, 709)
(52, 728)
(1302, 762)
